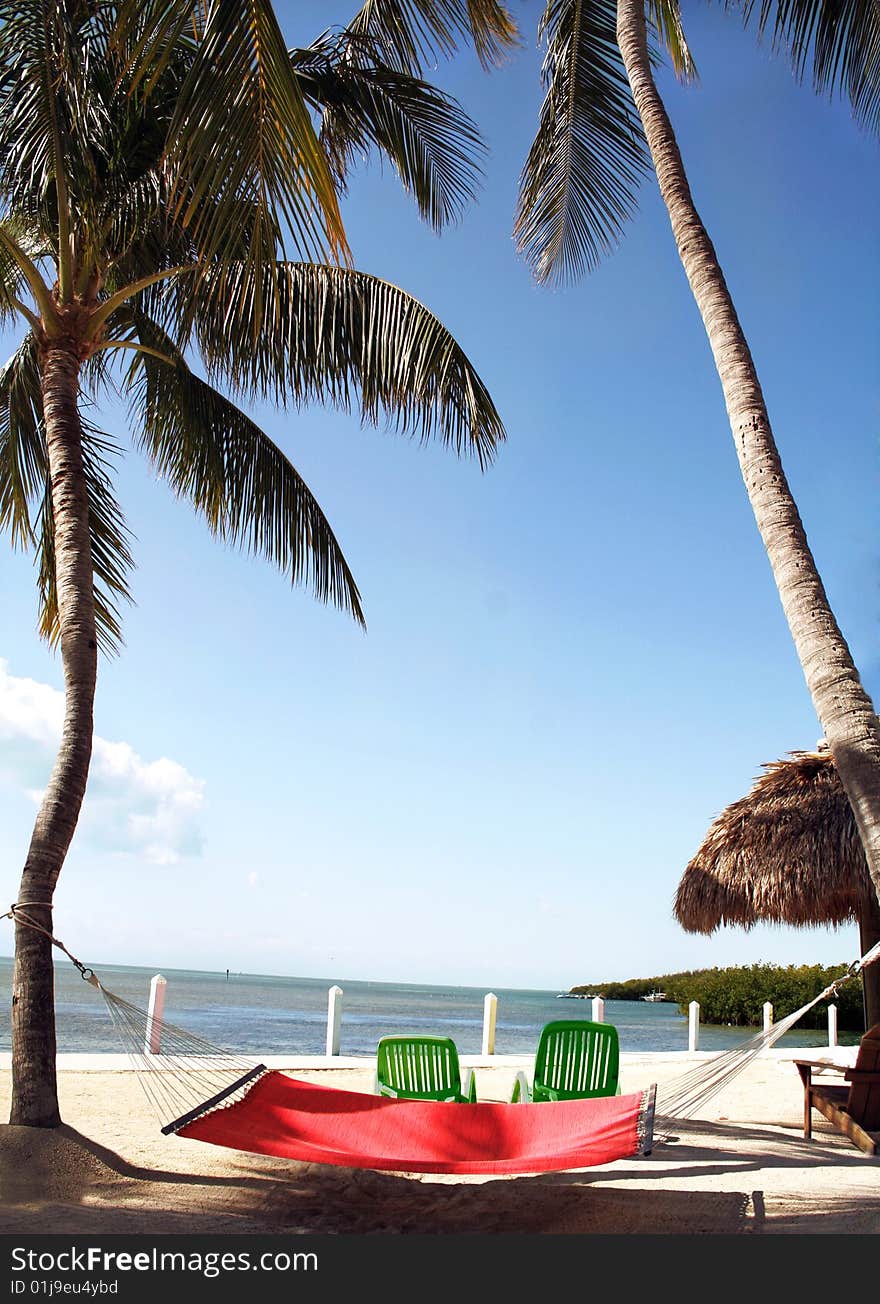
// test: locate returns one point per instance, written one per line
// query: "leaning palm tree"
(603, 124)
(166, 197)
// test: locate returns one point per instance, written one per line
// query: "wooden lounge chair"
(854, 1110)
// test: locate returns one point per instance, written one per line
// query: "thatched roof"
(787, 853)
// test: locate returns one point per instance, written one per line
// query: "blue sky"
(573, 662)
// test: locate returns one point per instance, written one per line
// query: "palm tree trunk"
(844, 708)
(869, 935)
(34, 1089)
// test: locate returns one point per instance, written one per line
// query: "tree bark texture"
(844, 708)
(34, 1089)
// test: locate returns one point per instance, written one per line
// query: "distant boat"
(655, 996)
(575, 996)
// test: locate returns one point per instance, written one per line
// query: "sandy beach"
(741, 1167)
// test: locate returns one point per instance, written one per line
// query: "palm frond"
(834, 42)
(579, 183)
(13, 286)
(147, 34)
(27, 106)
(135, 217)
(413, 33)
(53, 114)
(110, 541)
(22, 447)
(97, 375)
(217, 458)
(666, 17)
(241, 131)
(426, 135)
(20, 254)
(350, 339)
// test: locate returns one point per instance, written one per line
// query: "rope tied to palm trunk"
(16, 913)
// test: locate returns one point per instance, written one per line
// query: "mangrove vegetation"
(736, 996)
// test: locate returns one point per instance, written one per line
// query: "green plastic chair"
(422, 1068)
(575, 1060)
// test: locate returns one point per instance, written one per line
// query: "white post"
(693, 1025)
(490, 1013)
(334, 1019)
(598, 1010)
(155, 1010)
(832, 1025)
(768, 1015)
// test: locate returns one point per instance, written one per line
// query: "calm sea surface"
(274, 1016)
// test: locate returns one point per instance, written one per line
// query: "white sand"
(742, 1167)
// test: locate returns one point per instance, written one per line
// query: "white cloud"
(253, 878)
(149, 808)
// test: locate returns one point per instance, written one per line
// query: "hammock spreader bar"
(218, 1099)
(316, 1124)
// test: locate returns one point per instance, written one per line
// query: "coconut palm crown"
(170, 228)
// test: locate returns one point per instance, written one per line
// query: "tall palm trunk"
(34, 1089)
(844, 709)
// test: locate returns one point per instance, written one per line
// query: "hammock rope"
(680, 1098)
(191, 1077)
(190, 1071)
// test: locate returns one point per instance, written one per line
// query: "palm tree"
(159, 166)
(602, 125)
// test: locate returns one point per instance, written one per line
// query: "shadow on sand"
(68, 1182)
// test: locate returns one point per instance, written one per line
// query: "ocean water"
(268, 1015)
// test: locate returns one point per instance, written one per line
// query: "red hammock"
(302, 1120)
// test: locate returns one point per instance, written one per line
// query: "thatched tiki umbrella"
(787, 853)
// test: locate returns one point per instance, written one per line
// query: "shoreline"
(119, 1062)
